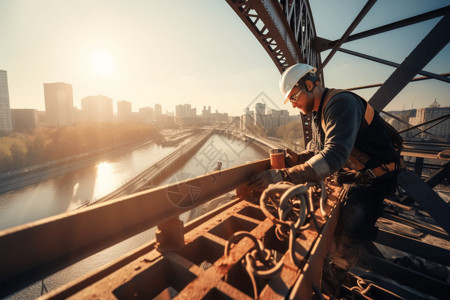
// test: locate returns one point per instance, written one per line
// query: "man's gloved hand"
(293, 159)
(302, 173)
(260, 181)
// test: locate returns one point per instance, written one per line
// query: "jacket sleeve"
(342, 115)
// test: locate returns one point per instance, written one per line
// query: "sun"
(102, 62)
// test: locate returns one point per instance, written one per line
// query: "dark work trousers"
(359, 212)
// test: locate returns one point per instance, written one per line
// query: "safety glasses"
(294, 97)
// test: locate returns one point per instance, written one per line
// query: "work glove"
(298, 174)
(293, 159)
(302, 173)
(260, 181)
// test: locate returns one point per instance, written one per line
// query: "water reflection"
(76, 188)
(89, 182)
(104, 178)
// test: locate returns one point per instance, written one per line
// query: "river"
(70, 191)
(74, 189)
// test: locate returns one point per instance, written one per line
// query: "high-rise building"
(158, 113)
(124, 111)
(24, 119)
(58, 103)
(185, 110)
(429, 113)
(146, 115)
(5, 109)
(97, 109)
(247, 120)
(260, 112)
(185, 114)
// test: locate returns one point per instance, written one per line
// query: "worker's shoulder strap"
(368, 116)
(358, 159)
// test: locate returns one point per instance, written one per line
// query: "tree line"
(20, 150)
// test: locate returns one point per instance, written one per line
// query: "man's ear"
(309, 85)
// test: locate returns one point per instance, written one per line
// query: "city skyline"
(191, 52)
(49, 85)
(52, 91)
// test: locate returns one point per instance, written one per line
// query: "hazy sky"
(197, 52)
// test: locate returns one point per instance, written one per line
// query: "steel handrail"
(50, 244)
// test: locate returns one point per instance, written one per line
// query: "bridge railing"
(39, 248)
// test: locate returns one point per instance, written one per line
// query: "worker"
(347, 134)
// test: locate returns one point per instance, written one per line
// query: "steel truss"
(303, 45)
(285, 29)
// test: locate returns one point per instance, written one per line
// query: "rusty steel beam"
(271, 30)
(427, 49)
(349, 30)
(285, 30)
(421, 226)
(299, 17)
(311, 274)
(58, 241)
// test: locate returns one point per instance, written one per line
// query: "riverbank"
(159, 170)
(37, 173)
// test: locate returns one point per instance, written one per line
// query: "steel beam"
(421, 226)
(299, 19)
(438, 176)
(285, 30)
(413, 279)
(381, 288)
(271, 30)
(427, 49)
(444, 117)
(380, 84)
(418, 166)
(399, 24)
(413, 246)
(393, 64)
(428, 199)
(311, 274)
(349, 30)
(428, 128)
(58, 241)
(409, 126)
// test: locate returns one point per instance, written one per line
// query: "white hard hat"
(291, 76)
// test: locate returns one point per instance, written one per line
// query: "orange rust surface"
(210, 281)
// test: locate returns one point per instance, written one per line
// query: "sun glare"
(102, 62)
(105, 179)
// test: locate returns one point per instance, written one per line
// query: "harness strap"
(357, 159)
(330, 93)
(365, 176)
(382, 169)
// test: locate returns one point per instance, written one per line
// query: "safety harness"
(357, 160)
